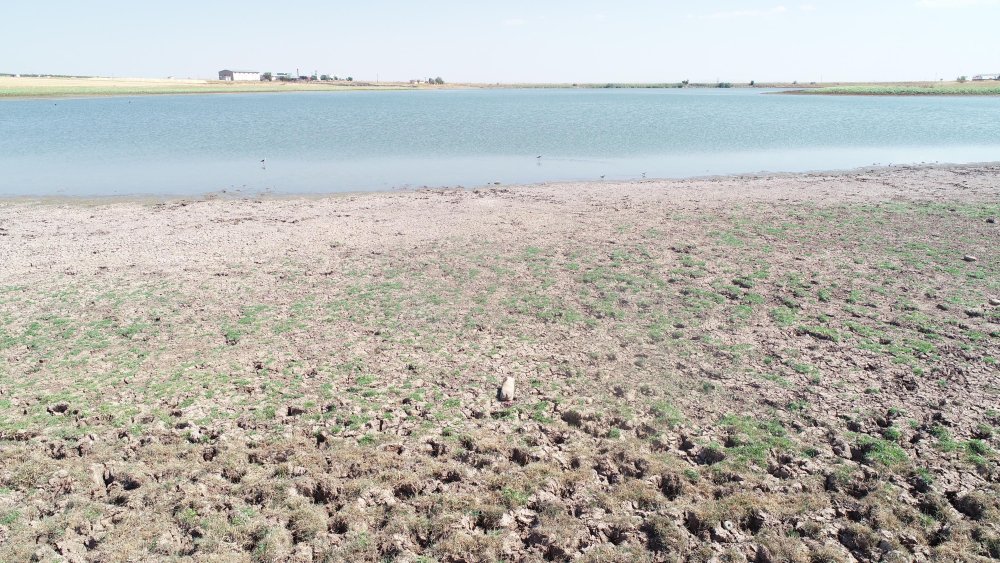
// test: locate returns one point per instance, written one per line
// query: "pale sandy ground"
(53, 233)
(29, 87)
(775, 368)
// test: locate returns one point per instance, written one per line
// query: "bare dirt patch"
(782, 368)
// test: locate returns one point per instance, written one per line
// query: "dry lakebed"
(757, 368)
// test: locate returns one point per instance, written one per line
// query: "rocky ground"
(782, 368)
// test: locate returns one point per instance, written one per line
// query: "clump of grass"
(751, 441)
(9, 518)
(514, 498)
(783, 316)
(875, 450)
(945, 441)
(892, 434)
(667, 413)
(232, 335)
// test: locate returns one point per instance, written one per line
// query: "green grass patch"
(751, 441)
(881, 451)
(783, 316)
(667, 413)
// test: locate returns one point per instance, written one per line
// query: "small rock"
(841, 448)
(970, 258)
(526, 517)
(506, 391)
(195, 435)
(721, 535)
(44, 553)
(995, 301)
(507, 520)
(991, 220)
(166, 543)
(304, 552)
(61, 483)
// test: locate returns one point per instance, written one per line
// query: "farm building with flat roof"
(239, 75)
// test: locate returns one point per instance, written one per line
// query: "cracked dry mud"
(777, 368)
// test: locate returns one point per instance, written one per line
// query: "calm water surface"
(349, 141)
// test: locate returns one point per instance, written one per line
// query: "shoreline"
(903, 94)
(20, 88)
(570, 184)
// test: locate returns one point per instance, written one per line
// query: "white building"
(239, 75)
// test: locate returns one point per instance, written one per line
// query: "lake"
(365, 140)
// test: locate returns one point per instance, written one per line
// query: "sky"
(508, 41)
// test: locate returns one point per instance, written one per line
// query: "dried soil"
(775, 368)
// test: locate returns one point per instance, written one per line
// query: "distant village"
(256, 76)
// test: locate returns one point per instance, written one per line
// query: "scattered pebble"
(970, 258)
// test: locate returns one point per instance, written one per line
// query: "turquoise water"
(357, 141)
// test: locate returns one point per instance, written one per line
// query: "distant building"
(986, 77)
(239, 75)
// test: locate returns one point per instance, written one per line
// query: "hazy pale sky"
(508, 41)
